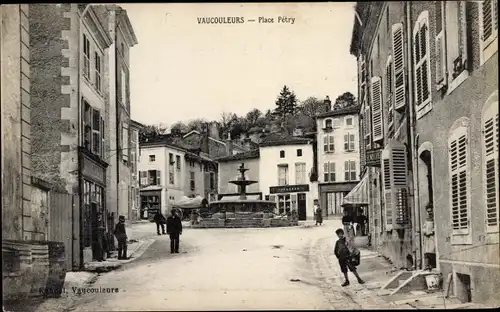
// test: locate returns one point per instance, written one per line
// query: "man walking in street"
(345, 258)
(174, 229)
(121, 236)
(160, 222)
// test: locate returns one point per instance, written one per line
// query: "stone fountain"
(244, 212)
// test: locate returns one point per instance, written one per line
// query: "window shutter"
(489, 17)
(352, 146)
(325, 144)
(346, 171)
(491, 169)
(440, 61)
(398, 66)
(421, 66)
(144, 178)
(376, 104)
(102, 137)
(293, 198)
(458, 154)
(395, 185)
(346, 142)
(332, 172)
(331, 146)
(367, 123)
(325, 172)
(362, 67)
(158, 177)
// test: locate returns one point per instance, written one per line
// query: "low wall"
(32, 269)
(245, 223)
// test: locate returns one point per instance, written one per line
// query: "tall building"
(337, 139)
(428, 82)
(135, 153)
(120, 175)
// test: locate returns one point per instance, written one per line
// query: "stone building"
(16, 122)
(338, 156)
(135, 152)
(428, 77)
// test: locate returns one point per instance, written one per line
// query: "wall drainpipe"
(416, 226)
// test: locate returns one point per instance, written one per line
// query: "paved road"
(217, 269)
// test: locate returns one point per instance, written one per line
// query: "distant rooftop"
(342, 111)
(240, 156)
(278, 139)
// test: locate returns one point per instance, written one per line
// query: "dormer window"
(328, 124)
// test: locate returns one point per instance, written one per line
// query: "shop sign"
(373, 157)
(289, 189)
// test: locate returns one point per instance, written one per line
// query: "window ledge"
(457, 81)
(461, 239)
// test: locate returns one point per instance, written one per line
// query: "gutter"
(416, 216)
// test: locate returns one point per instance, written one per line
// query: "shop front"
(292, 197)
(150, 203)
(331, 196)
(96, 222)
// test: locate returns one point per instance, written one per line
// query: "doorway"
(302, 206)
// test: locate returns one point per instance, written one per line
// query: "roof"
(341, 111)
(356, 29)
(235, 145)
(136, 124)
(240, 156)
(278, 139)
(170, 140)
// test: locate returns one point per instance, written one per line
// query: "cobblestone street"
(276, 268)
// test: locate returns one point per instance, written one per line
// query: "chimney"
(327, 103)
(298, 132)
(204, 140)
(229, 145)
(214, 131)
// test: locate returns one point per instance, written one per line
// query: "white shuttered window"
(421, 63)
(376, 105)
(491, 172)
(458, 153)
(399, 66)
(488, 28)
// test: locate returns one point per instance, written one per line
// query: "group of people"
(173, 226)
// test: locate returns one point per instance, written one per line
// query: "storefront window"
(284, 203)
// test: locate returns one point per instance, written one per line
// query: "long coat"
(429, 243)
(319, 215)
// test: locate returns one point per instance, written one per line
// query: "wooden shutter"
(352, 145)
(325, 144)
(102, 137)
(395, 172)
(143, 178)
(325, 172)
(293, 198)
(440, 60)
(398, 79)
(158, 177)
(376, 105)
(332, 172)
(362, 69)
(490, 20)
(491, 168)
(459, 176)
(346, 142)
(346, 171)
(421, 65)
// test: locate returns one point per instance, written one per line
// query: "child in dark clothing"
(345, 258)
(121, 236)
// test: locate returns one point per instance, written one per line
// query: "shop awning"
(189, 203)
(359, 194)
(237, 197)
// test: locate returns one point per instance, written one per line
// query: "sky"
(182, 70)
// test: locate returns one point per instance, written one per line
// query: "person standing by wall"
(429, 242)
(160, 220)
(174, 229)
(121, 236)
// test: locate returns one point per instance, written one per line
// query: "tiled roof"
(342, 111)
(277, 139)
(240, 156)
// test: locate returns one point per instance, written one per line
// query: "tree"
(344, 100)
(151, 131)
(252, 117)
(225, 123)
(286, 104)
(196, 124)
(312, 107)
(179, 128)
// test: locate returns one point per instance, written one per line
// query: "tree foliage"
(151, 131)
(286, 104)
(344, 100)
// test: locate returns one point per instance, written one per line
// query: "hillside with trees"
(287, 114)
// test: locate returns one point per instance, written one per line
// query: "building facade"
(285, 166)
(338, 157)
(124, 39)
(456, 145)
(135, 128)
(16, 138)
(433, 66)
(228, 171)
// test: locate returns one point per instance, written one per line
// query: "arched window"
(328, 123)
(459, 181)
(490, 172)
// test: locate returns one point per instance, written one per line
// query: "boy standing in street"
(345, 258)
(174, 229)
(121, 236)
